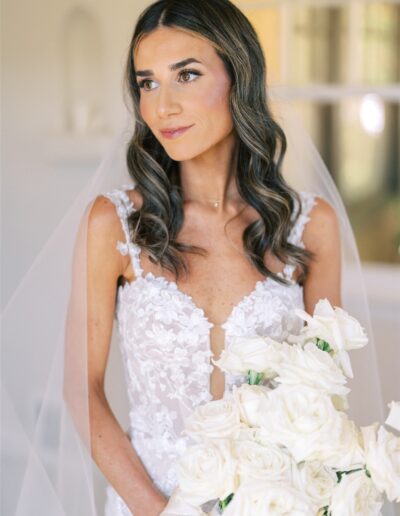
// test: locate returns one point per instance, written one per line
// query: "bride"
(203, 239)
(201, 160)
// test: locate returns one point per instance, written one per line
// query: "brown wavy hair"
(259, 152)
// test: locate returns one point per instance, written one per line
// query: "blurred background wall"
(339, 63)
(61, 104)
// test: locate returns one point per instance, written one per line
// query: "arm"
(111, 448)
(322, 236)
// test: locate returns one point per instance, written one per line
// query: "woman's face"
(195, 94)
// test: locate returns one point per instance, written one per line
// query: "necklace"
(215, 202)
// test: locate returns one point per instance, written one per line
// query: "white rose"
(346, 449)
(257, 435)
(262, 462)
(263, 438)
(178, 505)
(317, 481)
(248, 433)
(217, 419)
(258, 498)
(354, 334)
(313, 367)
(306, 421)
(382, 457)
(340, 402)
(356, 495)
(260, 436)
(249, 400)
(250, 353)
(393, 418)
(334, 325)
(207, 471)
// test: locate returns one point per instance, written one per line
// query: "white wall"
(41, 170)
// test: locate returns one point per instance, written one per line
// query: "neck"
(209, 179)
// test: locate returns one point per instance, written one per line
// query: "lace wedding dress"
(166, 351)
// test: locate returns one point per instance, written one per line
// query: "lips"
(174, 132)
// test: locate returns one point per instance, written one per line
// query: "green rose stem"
(326, 511)
(254, 378)
(339, 474)
(223, 503)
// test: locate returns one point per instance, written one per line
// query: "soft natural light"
(372, 114)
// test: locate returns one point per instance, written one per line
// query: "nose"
(167, 102)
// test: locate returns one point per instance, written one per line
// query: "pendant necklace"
(214, 202)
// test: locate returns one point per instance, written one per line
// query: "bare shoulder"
(103, 218)
(104, 213)
(322, 229)
(104, 230)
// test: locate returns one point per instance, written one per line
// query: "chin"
(181, 154)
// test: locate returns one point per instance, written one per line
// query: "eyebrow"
(172, 67)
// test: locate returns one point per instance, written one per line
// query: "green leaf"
(339, 474)
(223, 503)
(323, 345)
(254, 378)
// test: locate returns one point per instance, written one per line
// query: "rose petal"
(178, 506)
(393, 418)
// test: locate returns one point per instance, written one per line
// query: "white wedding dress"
(165, 347)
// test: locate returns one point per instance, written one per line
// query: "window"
(340, 65)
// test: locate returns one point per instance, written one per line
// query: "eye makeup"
(187, 70)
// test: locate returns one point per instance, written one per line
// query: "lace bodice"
(165, 347)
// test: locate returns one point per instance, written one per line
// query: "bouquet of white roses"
(282, 443)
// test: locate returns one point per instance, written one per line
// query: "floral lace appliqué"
(165, 347)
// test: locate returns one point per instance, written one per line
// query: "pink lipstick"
(174, 132)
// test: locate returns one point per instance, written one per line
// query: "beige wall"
(41, 168)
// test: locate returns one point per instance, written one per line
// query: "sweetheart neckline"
(172, 284)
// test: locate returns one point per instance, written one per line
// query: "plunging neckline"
(174, 286)
(285, 274)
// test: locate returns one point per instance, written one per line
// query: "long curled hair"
(259, 153)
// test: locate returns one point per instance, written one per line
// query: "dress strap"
(308, 201)
(124, 207)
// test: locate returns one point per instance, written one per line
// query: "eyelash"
(142, 83)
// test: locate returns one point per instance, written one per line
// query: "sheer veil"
(46, 438)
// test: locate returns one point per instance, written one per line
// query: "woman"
(201, 239)
(214, 186)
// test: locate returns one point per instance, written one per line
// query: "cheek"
(213, 108)
(211, 103)
(218, 97)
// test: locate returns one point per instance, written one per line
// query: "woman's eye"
(142, 83)
(182, 72)
(190, 72)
